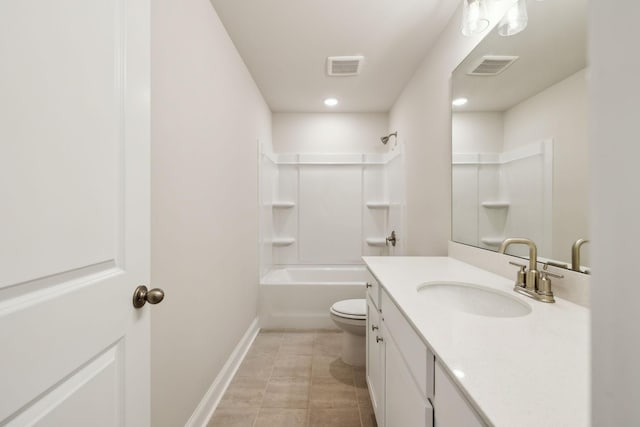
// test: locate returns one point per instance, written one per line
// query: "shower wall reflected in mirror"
(519, 143)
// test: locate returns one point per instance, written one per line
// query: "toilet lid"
(351, 307)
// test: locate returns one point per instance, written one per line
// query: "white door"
(74, 212)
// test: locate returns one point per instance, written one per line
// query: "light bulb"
(515, 20)
(474, 17)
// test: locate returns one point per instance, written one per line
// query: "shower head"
(385, 139)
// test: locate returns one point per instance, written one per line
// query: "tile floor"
(291, 379)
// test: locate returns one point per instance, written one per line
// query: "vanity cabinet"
(398, 398)
(375, 350)
(407, 385)
(375, 361)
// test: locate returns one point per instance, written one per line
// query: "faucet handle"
(521, 278)
(545, 294)
(522, 266)
(557, 264)
(557, 276)
(548, 273)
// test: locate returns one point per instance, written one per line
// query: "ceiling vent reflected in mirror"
(491, 65)
(344, 65)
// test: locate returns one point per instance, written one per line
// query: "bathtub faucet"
(392, 239)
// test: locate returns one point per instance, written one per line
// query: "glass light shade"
(475, 18)
(515, 20)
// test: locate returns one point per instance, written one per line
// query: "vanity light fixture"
(458, 102)
(331, 102)
(515, 20)
(475, 17)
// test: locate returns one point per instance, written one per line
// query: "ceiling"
(550, 49)
(285, 44)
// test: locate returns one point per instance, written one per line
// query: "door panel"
(61, 152)
(74, 218)
(48, 337)
(101, 380)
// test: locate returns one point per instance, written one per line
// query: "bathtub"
(300, 297)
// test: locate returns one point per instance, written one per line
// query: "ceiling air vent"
(491, 65)
(344, 65)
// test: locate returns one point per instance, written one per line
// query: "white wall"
(559, 112)
(422, 117)
(614, 91)
(477, 132)
(330, 132)
(207, 114)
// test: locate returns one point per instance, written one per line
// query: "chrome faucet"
(575, 254)
(532, 283)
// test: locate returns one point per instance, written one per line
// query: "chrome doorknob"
(142, 295)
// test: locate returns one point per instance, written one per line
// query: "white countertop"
(517, 371)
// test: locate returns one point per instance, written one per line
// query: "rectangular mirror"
(519, 143)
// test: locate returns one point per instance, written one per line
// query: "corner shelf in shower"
(283, 205)
(378, 205)
(496, 204)
(492, 241)
(379, 242)
(283, 241)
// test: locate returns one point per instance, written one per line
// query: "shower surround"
(320, 213)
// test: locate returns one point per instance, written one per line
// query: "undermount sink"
(473, 299)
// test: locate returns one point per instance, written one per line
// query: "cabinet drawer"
(373, 289)
(409, 343)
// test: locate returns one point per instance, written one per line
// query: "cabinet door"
(404, 403)
(452, 409)
(373, 289)
(375, 362)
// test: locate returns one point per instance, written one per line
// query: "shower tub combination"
(300, 297)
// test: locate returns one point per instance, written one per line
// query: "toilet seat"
(355, 309)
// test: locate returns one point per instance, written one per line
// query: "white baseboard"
(211, 399)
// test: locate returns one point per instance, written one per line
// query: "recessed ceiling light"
(460, 101)
(330, 102)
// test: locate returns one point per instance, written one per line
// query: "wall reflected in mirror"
(519, 143)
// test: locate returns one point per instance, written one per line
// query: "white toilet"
(350, 315)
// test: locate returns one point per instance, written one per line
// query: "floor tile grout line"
(355, 389)
(266, 386)
(313, 350)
